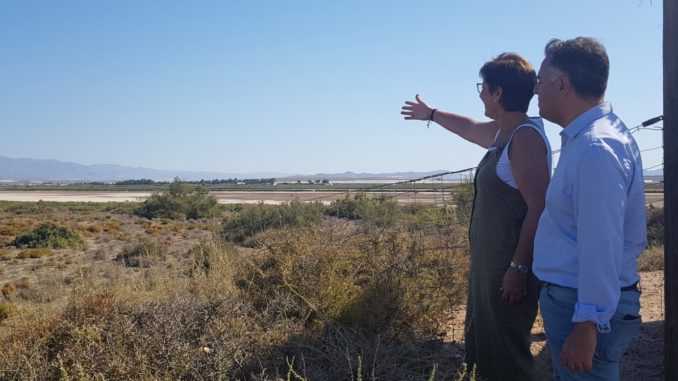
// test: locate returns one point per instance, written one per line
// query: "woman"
(510, 187)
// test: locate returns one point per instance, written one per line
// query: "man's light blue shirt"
(593, 226)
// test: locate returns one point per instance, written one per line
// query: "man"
(593, 225)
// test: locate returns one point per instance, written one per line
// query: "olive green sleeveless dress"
(497, 334)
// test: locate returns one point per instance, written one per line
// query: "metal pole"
(671, 189)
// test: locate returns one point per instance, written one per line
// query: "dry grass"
(652, 259)
(363, 299)
(7, 310)
(34, 253)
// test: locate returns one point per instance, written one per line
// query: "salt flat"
(223, 197)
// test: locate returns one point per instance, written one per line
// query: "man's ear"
(564, 84)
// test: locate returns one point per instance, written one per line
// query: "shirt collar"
(586, 119)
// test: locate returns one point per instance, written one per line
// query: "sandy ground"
(644, 359)
(64, 196)
(235, 197)
(231, 197)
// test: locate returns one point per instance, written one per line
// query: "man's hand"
(579, 347)
(418, 110)
(513, 286)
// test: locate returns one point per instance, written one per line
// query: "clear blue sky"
(289, 86)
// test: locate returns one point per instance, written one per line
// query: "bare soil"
(223, 197)
(644, 359)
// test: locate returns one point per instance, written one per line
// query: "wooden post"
(671, 189)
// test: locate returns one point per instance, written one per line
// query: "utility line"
(653, 167)
(367, 189)
(648, 124)
(651, 149)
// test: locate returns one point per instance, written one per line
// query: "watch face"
(522, 268)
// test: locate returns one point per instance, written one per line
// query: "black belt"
(633, 287)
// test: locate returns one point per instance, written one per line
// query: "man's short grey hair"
(585, 62)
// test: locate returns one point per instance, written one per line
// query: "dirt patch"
(644, 359)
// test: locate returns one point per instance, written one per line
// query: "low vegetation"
(49, 235)
(34, 253)
(655, 226)
(653, 257)
(7, 310)
(360, 289)
(249, 220)
(142, 254)
(181, 201)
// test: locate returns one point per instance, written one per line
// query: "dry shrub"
(35, 253)
(14, 227)
(7, 310)
(92, 229)
(111, 227)
(369, 302)
(19, 359)
(652, 259)
(142, 254)
(100, 255)
(114, 333)
(345, 354)
(376, 281)
(352, 291)
(24, 283)
(655, 226)
(8, 290)
(5, 254)
(5, 239)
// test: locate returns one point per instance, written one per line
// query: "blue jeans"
(557, 308)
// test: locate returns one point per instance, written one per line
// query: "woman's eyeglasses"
(479, 86)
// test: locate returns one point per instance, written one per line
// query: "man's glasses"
(479, 86)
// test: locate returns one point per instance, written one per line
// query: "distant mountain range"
(654, 173)
(58, 171)
(23, 170)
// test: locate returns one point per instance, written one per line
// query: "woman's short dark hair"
(584, 60)
(515, 76)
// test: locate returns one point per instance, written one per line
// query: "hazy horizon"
(300, 87)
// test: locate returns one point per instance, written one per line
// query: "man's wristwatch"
(523, 269)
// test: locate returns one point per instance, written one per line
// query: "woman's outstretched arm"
(480, 133)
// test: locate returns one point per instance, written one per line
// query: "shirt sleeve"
(599, 196)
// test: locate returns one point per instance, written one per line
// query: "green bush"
(26, 208)
(348, 208)
(380, 211)
(49, 235)
(181, 201)
(252, 219)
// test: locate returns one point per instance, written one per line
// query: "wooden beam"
(671, 189)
